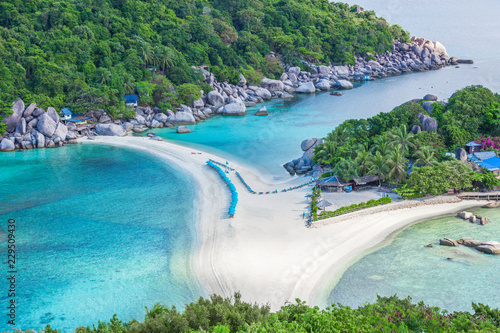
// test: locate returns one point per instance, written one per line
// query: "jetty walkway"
(479, 196)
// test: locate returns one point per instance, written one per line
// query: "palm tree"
(381, 144)
(425, 156)
(324, 152)
(157, 309)
(147, 54)
(378, 165)
(401, 137)
(363, 161)
(398, 164)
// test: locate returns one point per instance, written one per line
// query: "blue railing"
(232, 188)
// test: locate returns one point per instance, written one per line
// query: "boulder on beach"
(7, 145)
(323, 85)
(183, 129)
(306, 88)
(182, 118)
(263, 93)
(110, 130)
(343, 84)
(46, 125)
(465, 215)
(448, 242)
(215, 99)
(233, 109)
(13, 119)
(156, 138)
(29, 110)
(272, 85)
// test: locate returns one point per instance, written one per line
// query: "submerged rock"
(262, 112)
(183, 129)
(448, 242)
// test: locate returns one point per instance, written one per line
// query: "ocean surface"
(99, 231)
(407, 268)
(102, 230)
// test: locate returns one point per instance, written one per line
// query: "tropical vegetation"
(385, 146)
(86, 54)
(224, 315)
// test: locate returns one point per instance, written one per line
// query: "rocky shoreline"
(32, 127)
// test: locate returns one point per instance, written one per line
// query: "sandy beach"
(265, 251)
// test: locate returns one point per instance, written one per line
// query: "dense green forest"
(225, 315)
(86, 54)
(384, 146)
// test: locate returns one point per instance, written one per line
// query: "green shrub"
(355, 207)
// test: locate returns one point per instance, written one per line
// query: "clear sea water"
(100, 230)
(407, 268)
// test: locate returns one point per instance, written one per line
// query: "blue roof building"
(131, 100)
(67, 114)
(491, 164)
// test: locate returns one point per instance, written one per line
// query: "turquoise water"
(97, 233)
(407, 268)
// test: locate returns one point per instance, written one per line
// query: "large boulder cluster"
(490, 247)
(305, 163)
(33, 127)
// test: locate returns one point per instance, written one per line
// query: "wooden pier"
(480, 196)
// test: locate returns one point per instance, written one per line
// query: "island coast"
(265, 251)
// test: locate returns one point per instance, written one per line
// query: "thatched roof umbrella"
(323, 204)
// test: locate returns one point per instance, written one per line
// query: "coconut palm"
(425, 156)
(398, 164)
(147, 54)
(400, 136)
(382, 144)
(363, 161)
(157, 310)
(378, 165)
(324, 152)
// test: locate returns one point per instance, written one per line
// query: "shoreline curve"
(265, 252)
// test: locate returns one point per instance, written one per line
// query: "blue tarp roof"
(491, 164)
(66, 112)
(131, 98)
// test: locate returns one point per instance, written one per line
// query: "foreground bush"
(224, 315)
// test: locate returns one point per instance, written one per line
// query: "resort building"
(131, 100)
(491, 164)
(472, 147)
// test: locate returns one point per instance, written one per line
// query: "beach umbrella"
(323, 204)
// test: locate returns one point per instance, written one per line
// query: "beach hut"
(332, 184)
(365, 182)
(472, 147)
(67, 114)
(131, 100)
(481, 156)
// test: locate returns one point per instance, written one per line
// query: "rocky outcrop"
(215, 99)
(304, 164)
(343, 85)
(460, 154)
(233, 109)
(306, 88)
(7, 145)
(448, 242)
(13, 119)
(468, 216)
(110, 130)
(46, 125)
(181, 118)
(272, 85)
